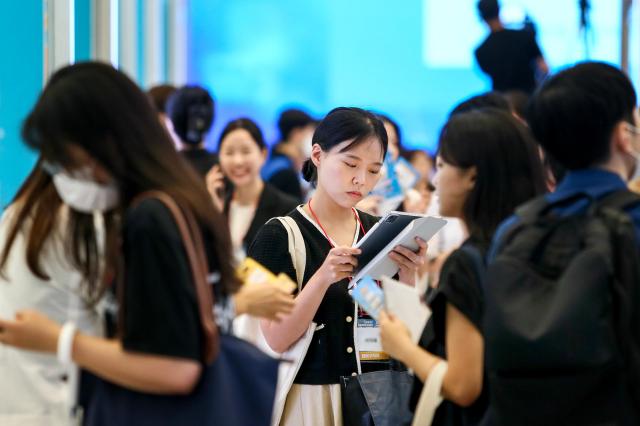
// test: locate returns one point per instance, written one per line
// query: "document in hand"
(394, 229)
(406, 304)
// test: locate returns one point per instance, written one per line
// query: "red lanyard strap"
(355, 214)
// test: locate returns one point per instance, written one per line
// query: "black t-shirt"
(458, 286)
(161, 311)
(201, 159)
(328, 357)
(508, 57)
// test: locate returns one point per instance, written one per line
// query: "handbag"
(378, 398)
(238, 381)
(381, 398)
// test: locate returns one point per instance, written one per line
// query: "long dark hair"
(36, 214)
(508, 166)
(96, 107)
(341, 125)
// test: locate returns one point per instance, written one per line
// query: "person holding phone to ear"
(238, 190)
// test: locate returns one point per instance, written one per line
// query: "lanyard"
(322, 227)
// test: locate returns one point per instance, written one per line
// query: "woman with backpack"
(487, 165)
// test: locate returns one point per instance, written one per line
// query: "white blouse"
(34, 388)
(240, 218)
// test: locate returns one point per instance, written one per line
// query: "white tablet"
(395, 229)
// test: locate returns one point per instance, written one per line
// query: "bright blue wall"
(411, 59)
(83, 30)
(21, 73)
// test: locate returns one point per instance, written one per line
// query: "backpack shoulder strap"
(530, 211)
(619, 200)
(191, 236)
(626, 267)
(297, 249)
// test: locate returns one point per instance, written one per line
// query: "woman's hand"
(409, 262)
(395, 336)
(338, 265)
(264, 300)
(215, 186)
(31, 331)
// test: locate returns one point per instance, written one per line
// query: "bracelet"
(65, 343)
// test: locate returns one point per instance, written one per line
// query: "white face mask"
(86, 196)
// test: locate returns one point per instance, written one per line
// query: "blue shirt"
(595, 183)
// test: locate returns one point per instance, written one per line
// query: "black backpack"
(562, 324)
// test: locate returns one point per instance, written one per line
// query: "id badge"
(369, 343)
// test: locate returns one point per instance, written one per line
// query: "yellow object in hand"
(252, 272)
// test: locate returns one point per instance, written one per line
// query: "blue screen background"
(411, 59)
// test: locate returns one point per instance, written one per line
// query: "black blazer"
(272, 203)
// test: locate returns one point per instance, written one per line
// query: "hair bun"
(309, 171)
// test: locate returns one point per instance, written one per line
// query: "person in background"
(423, 163)
(247, 201)
(586, 117)
(418, 198)
(483, 100)
(518, 102)
(159, 96)
(283, 168)
(512, 58)
(396, 148)
(487, 165)
(191, 110)
(96, 130)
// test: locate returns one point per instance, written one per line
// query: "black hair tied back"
(341, 125)
(309, 171)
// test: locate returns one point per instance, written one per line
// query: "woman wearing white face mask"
(51, 259)
(98, 131)
(249, 202)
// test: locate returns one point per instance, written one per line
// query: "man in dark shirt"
(510, 57)
(586, 118)
(283, 169)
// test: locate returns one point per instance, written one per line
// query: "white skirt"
(313, 405)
